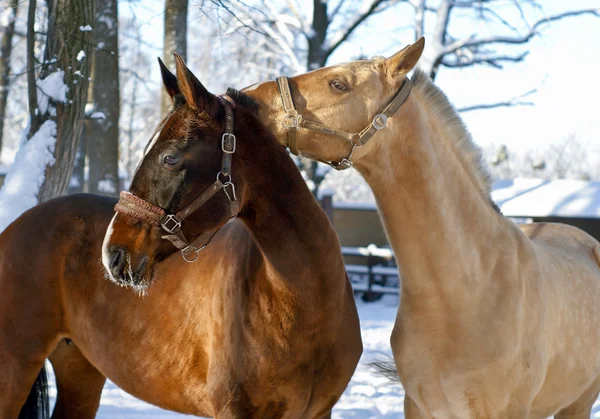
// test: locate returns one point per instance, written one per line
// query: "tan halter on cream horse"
(495, 320)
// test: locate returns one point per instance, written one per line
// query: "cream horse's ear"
(399, 64)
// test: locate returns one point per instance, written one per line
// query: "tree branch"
(222, 4)
(420, 7)
(293, 5)
(515, 101)
(472, 41)
(493, 60)
(337, 9)
(440, 33)
(345, 34)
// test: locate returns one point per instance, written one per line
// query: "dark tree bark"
(175, 39)
(77, 182)
(103, 135)
(316, 39)
(68, 50)
(5, 53)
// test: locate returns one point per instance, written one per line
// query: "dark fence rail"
(372, 270)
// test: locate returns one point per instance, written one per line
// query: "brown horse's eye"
(170, 160)
(338, 86)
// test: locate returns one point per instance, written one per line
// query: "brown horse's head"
(183, 168)
(344, 97)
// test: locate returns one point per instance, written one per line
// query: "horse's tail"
(387, 369)
(37, 405)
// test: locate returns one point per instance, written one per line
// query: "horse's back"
(566, 306)
(563, 239)
(56, 218)
(43, 246)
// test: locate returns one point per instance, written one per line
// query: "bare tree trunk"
(175, 39)
(5, 52)
(34, 117)
(77, 181)
(67, 59)
(440, 34)
(316, 39)
(103, 134)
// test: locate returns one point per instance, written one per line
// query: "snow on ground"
(368, 395)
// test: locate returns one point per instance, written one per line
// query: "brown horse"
(495, 320)
(262, 325)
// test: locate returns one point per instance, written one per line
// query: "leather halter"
(293, 120)
(145, 211)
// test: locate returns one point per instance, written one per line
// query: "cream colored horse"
(495, 320)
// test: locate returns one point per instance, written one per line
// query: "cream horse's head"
(345, 97)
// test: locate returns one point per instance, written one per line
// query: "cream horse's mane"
(466, 150)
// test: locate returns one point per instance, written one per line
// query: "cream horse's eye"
(338, 86)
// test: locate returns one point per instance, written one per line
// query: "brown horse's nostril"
(118, 259)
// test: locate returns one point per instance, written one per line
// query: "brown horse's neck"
(283, 216)
(439, 221)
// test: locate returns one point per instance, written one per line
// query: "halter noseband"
(293, 120)
(145, 211)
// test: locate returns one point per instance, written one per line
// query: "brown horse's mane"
(244, 100)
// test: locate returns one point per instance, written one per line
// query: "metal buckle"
(165, 224)
(292, 121)
(228, 143)
(379, 122)
(342, 165)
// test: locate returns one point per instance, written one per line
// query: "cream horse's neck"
(435, 208)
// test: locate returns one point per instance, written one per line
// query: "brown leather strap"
(317, 126)
(200, 200)
(293, 120)
(380, 120)
(228, 140)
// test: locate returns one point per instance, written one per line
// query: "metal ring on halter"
(356, 141)
(227, 176)
(189, 250)
(379, 121)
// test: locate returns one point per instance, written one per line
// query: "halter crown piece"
(145, 211)
(292, 121)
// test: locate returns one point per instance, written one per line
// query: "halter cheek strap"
(292, 121)
(145, 211)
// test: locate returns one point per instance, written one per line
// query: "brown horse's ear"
(405, 60)
(169, 80)
(195, 93)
